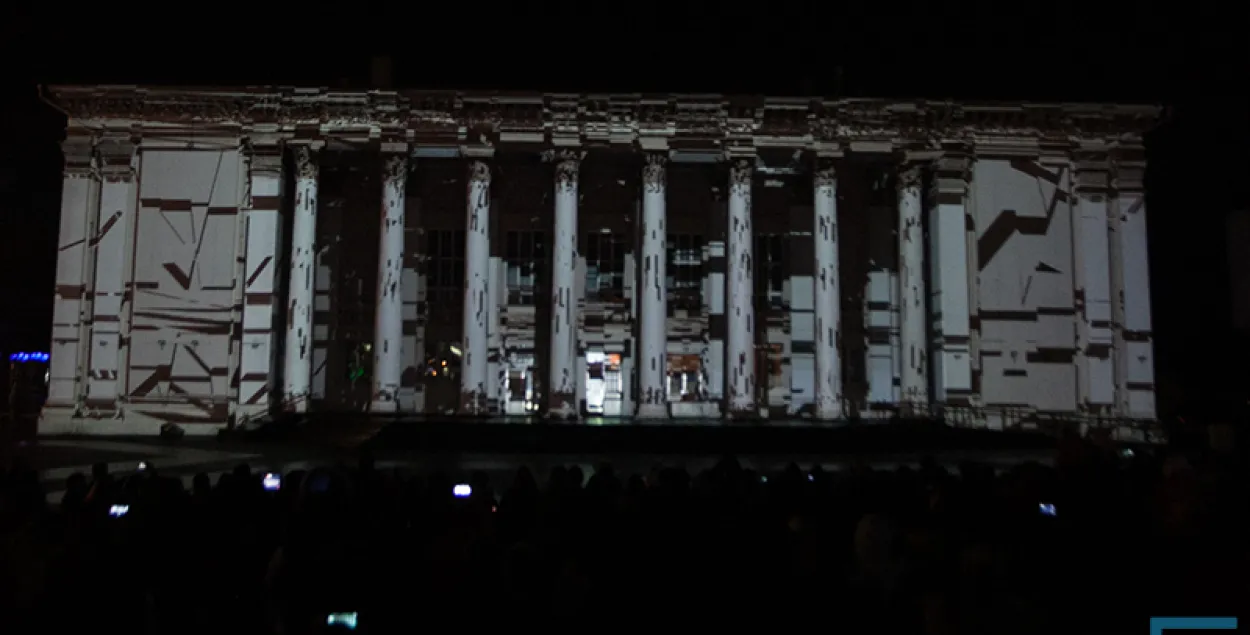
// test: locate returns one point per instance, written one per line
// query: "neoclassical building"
(225, 254)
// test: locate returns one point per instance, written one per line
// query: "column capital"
(741, 172)
(305, 161)
(80, 156)
(568, 163)
(1092, 172)
(394, 166)
(263, 155)
(654, 171)
(825, 177)
(479, 171)
(910, 174)
(563, 155)
(951, 173)
(1128, 168)
(115, 156)
(824, 172)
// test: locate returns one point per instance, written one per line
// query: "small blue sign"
(1160, 624)
(22, 358)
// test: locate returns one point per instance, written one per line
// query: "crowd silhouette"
(1095, 544)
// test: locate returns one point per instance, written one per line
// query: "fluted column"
(474, 363)
(297, 378)
(828, 297)
(652, 301)
(740, 349)
(388, 331)
(562, 382)
(914, 375)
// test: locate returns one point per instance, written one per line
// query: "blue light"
(28, 357)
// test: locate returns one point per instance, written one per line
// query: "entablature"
(733, 126)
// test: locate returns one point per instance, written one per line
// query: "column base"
(652, 411)
(561, 406)
(914, 410)
(829, 412)
(744, 413)
(134, 422)
(386, 407)
(295, 405)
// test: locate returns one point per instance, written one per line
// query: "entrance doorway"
(685, 382)
(604, 386)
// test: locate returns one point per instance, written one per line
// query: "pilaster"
(262, 219)
(73, 311)
(115, 229)
(952, 278)
(1092, 284)
(1130, 281)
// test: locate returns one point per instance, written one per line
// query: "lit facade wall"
(229, 255)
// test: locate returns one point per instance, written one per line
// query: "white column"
(828, 296)
(263, 220)
(297, 376)
(562, 382)
(475, 345)
(653, 302)
(740, 329)
(914, 379)
(388, 329)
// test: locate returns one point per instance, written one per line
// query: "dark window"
(769, 365)
(771, 269)
(605, 267)
(525, 255)
(444, 266)
(685, 272)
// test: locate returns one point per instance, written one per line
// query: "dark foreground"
(1096, 544)
(500, 447)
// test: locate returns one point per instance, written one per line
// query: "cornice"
(735, 125)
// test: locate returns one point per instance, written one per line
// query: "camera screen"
(461, 491)
(117, 511)
(345, 620)
(272, 482)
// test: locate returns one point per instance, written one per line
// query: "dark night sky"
(1185, 58)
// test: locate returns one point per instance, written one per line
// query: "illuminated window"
(605, 267)
(685, 272)
(525, 255)
(444, 266)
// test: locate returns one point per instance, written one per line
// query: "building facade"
(228, 253)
